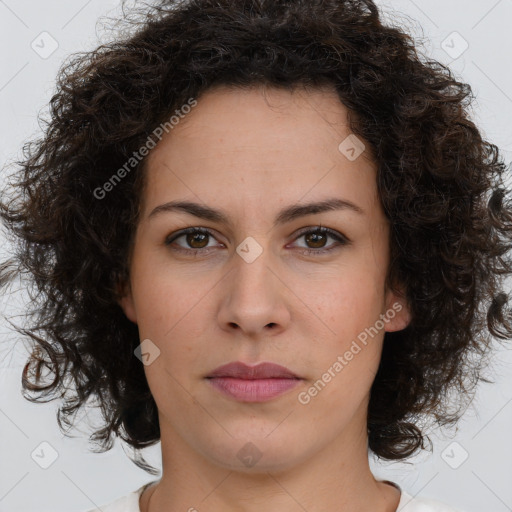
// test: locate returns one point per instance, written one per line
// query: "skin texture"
(252, 152)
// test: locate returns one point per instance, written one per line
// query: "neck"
(337, 477)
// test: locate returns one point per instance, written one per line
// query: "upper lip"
(260, 371)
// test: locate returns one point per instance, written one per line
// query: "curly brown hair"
(442, 187)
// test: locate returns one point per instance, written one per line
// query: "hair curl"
(440, 183)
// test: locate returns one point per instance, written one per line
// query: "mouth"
(259, 383)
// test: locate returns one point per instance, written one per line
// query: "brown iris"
(316, 238)
(201, 238)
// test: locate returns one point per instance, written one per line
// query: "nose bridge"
(254, 295)
(252, 275)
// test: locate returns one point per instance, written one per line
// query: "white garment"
(130, 503)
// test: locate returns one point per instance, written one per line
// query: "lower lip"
(257, 390)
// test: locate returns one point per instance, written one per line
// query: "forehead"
(262, 144)
(249, 117)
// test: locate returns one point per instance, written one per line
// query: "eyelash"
(317, 230)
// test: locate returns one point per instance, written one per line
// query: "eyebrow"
(287, 214)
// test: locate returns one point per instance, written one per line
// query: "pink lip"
(240, 370)
(253, 383)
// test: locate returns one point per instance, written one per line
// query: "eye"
(317, 237)
(198, 240)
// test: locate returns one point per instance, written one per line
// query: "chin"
(257, 454)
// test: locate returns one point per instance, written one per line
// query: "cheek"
(173, 313)
(162, 300)
(351, 302)
(347, 354)
(344, 363)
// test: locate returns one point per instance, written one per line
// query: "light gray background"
(79, 480)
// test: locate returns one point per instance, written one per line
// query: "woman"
(268, 235)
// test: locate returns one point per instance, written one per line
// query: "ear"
(397, 310)
(126, 302)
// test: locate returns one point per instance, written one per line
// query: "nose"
(254, 297)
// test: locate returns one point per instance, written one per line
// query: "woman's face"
(262, 286)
